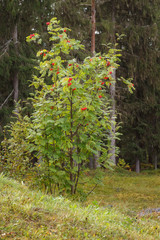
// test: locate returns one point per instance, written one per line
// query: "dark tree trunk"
(93, 163)
(137, 166)
(155, 162)
(113, 93)
(72, 179)
(113, 116)
(93, 12)
(15, 73)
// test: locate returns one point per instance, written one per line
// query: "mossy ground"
(110, 211)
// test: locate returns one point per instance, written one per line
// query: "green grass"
(127, 191)
(111, 211)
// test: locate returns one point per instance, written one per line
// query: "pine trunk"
(93, 160)
(93, 12)
(155, 162)
(15, 73)
(137, 166)
(113, 93)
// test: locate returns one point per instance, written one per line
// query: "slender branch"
(79, 165)
(5, 47)
(77, 129)
(86, 4)
(6, 43)
(77, 178)
(88, 180)
(92, 190)
(6, 99)
(71, 149)
(3, 53)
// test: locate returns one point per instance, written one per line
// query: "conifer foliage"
(139, 21)
(17, 18)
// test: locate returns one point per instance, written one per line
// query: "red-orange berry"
(83, 109)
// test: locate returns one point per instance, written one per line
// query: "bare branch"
(6, 99)
(5, 47)
(92, 190)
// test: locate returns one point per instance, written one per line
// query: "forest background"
(138, 20)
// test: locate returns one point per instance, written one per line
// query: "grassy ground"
(127, 191)
(111, 211)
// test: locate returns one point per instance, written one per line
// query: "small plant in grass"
(122, 164)
(15, 155)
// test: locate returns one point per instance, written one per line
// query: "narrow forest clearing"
(110, 212)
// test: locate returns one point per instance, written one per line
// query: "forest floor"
(113, 210)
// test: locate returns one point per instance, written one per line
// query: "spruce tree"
(138, 21)
(18, 19)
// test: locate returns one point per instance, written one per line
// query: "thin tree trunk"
(113, 119)
(137, 166)
(155, 162)
(93, 17)
(71, 151)
(113, 93)
(93, 161)
(15, 73)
